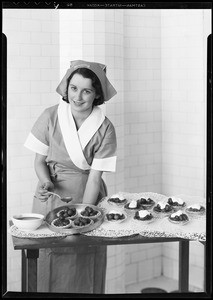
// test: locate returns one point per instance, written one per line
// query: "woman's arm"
(92, 187)
(41, 168)
(43, 174)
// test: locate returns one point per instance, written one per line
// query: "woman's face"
(81, 93)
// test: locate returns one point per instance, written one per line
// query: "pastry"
(117, 199)
(134, 204)
(61, 223)
(195, 208)
(174, 201)
(162, 208)
(90, 212)
(67, 212)
(146, 202)
(179, 217)
(143, 215)
(82, 222)
(115, 216)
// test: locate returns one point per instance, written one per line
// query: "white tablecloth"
(195, 229)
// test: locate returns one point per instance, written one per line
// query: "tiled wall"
(183, 101)
(143, 262)
(183, 57)
(115, 277)
(129, 43)
(170, 265)
(32, 74)
(142, 100)
(142, 125)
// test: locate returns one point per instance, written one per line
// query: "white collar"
(75, 141)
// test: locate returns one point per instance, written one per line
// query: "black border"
(209, 166)
(4, 162)
(107, 4)
(209, 127)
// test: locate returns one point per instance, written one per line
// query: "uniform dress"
(70, 154)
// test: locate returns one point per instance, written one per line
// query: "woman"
(74, 144)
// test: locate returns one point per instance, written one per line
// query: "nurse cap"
(97, 68)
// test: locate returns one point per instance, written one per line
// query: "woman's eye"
(87, 92)
(73, 88)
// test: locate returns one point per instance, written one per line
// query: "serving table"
(132, 233)
(30, 253)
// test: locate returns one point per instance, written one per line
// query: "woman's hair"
(86, 73)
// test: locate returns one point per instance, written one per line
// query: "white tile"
(19, 112)
(41, 86)
(40, 38)
(49, 50)
(157, 266)
(196, 276)
(111, 262)
(49, 74)
(30, 74)
(167, 267)
(41, 14)
(145, 269)
(30, 25)
(88, 26)
(12, 175)
(40, 62)
(18, 62)
(131, 273)
(139, 256)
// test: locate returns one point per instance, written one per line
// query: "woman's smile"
(81, 93)
(78, 103)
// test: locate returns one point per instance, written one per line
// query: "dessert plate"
(67, 212)
(179, 222)
(83, 223)
(145, 221)
(71, 230)
(117, 221)
(198, 212)
(90, 213)
(116, 202)
(57, 223)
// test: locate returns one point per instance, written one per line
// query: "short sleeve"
(105, 157)
(38, 138)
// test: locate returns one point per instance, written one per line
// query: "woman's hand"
(43, 194)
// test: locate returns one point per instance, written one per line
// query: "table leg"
(183, 266)
(204, 267)
(32, 256)
(23, 271)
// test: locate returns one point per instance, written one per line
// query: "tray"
(69, 231)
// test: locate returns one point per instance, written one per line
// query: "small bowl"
(145, 221)
(28, 221)
(117, 201)
(146, 203)
(68, 216)
(62, 226)
(116, 221)
(83, 225)
(159, 211)
(138, 207)
(195, 212)
(93, 217)
(179, 222)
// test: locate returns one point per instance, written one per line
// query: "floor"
(162, 282)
